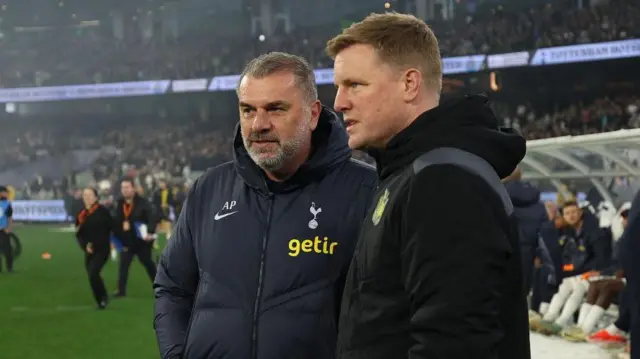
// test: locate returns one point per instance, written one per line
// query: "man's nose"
(261, 121)
(341, 102)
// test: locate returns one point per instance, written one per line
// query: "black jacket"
(96, 227)
(157, 202)
(529, 211)
(437, 274)
(142, 212)
(255, 269)
(531, 216)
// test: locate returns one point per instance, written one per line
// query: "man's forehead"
(358, 62)
(268, 89)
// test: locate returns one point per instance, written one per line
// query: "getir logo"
(311, 245)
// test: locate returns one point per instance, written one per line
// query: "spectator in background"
(135, 228)
(6, 220)
(163, 200)
(629, 254)
(546, 277)
(93, 228)
(605, 286)
(581, 247)
(531, 215)
(11, 193)
(616, 332)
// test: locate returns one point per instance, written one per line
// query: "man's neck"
(578, 227)
(128, 200)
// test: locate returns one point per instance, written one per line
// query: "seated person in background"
(604, 287)
(581, 247)
(616, 332)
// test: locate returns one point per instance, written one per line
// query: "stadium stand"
(93, 55)
(50, 149)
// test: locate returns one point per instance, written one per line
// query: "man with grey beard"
(259, 254)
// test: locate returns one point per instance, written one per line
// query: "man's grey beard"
(285, 150)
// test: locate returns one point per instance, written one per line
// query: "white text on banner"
(191, 85)
(587, 52)
(39, 211)
(463, 64)
(77, 92)
(513, 59)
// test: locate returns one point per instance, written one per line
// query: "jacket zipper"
(256, 305)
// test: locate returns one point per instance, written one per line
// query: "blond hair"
(400, 40)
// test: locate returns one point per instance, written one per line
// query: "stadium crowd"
(163, 152)
(167, 151)
(94, 55)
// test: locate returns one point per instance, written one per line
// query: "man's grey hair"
(274, 62)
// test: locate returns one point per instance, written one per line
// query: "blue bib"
(4, 221)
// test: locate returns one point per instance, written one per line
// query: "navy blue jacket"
(629, 254)
(528, 209)
(592, 249)
(255, 269)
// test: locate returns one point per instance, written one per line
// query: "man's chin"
(267, 160)
(356, 144)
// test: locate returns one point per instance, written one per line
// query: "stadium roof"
(599, 158)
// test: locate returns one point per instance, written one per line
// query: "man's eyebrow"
(268, 105)
(278, 104)
(347, 81)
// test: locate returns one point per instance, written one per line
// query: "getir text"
(311, 245)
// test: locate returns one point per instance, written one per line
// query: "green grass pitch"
(47, 310)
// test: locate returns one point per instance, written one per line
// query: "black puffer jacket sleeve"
(175, 287)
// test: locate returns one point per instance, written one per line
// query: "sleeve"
(150, 217)
(82, 242)
(602, 249)
(116, 219)
(547, 261)
(628, 251)
(9, 212)
(543, 217)
(454, 256)
(175, 288)
(109, 222)
(359, 209)
(614, 266)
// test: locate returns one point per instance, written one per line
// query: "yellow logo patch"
(379, 211)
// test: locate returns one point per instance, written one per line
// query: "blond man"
(437, 271)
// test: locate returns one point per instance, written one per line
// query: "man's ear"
(316, 109)
(412, 81)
